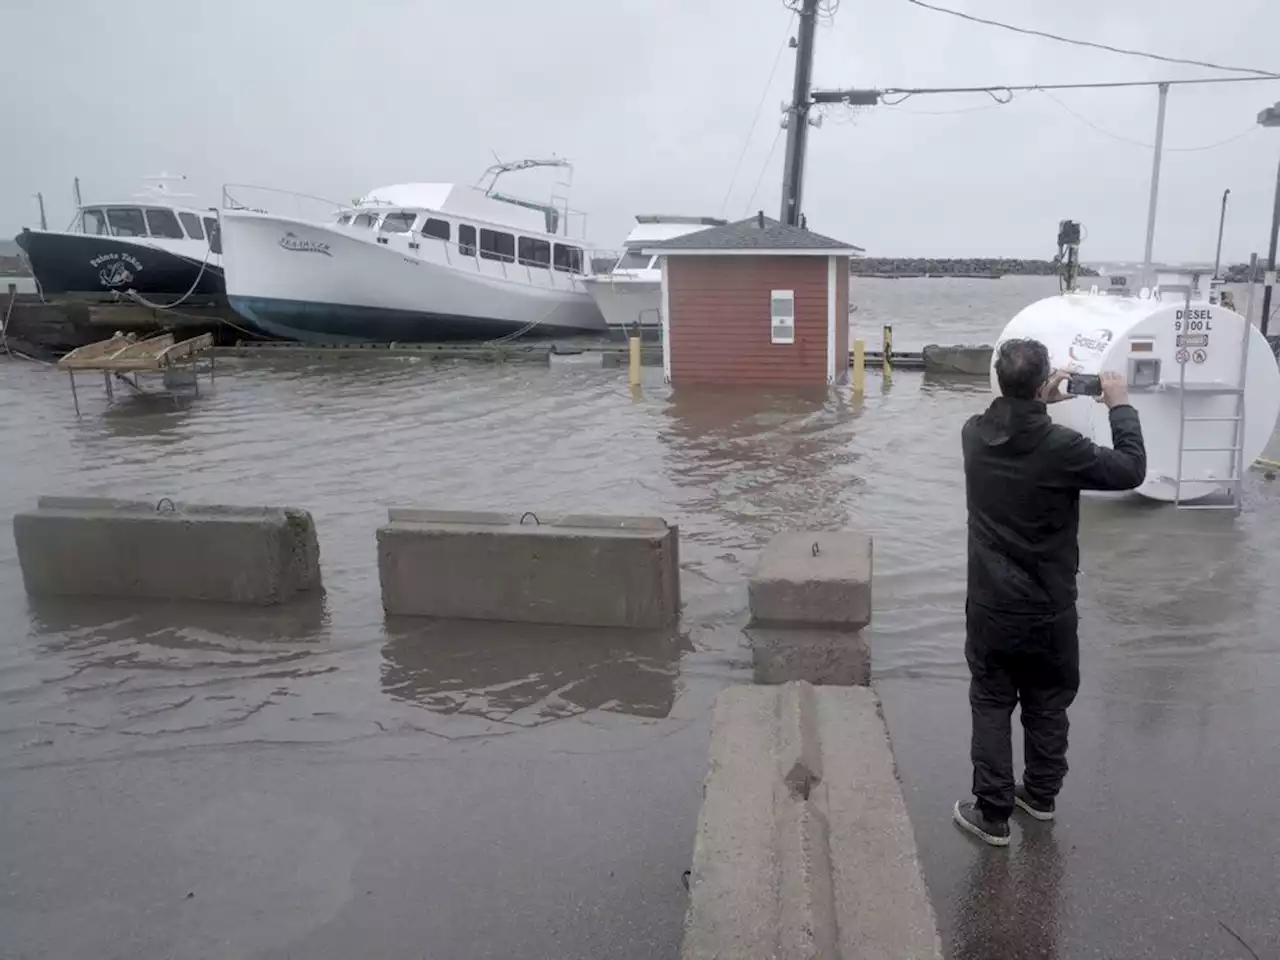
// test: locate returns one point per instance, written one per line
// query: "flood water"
(315, 781)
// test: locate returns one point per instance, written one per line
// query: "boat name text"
(291, 241)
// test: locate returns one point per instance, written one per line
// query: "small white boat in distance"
(630, 293)
(414, 262)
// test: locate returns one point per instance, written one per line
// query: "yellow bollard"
(859, 366)
(888, 350)
(635, 362)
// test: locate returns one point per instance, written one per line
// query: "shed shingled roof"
(748, 234)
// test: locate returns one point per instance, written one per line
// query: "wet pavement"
(183, 780)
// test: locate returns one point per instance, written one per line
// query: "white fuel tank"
(1179, 360)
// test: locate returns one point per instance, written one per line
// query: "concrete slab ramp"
(90, 546)
(804, 848)
(581, 570)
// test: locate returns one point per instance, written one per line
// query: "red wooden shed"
(755, 302)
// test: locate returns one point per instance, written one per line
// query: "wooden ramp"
(124, 358)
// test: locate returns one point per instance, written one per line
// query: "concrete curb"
(91, 546)
(804, 848)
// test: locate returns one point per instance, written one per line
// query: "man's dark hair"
(1022, 367)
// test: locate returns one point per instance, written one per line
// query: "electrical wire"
(776, 137)
(901, 94)
(1149, 146)
(1089, 43)
(755, 120)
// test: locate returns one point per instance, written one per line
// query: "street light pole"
(1270, 117)
(1222, 222)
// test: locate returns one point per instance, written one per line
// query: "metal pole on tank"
(1270, 117)
(1155, 186)
(1222, 222)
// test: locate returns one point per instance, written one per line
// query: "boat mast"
(797, 116)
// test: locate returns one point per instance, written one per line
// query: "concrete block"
(828, 657)
(88, 546)
(959, 360)
(813, 579)
(583, 570)
(804, 849)
(594, 359)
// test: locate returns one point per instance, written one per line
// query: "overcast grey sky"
(652, 100)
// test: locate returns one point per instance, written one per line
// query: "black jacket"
(1023, 476)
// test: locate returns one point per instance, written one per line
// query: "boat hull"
(629, 302)
(319, 283)
(308, 321)
(76, 263)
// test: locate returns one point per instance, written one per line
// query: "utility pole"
(1222, 222)
(1270, 117)
(1155, 187)
(797, 116)
(44, 224)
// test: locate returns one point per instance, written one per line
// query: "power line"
(756, 119)
(1139, 143)
(866, 97)
(763, 170)
(1088, 43)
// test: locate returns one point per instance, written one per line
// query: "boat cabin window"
(164, 224)
(440, 230)
(192, 224)
(497, 246)
(364, 220)
(567, 258)
(633, 260)
(214, 233)
(398, 222)
(95, 222)
(344, 219)
(535, 253)
(126, 222)
(466, 240)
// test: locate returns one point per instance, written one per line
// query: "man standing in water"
(1023, 476)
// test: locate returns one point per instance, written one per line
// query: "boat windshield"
(632, 260)
(164, 224)
(126, 222)
(95, 222)
(365, 220)
(399, 222)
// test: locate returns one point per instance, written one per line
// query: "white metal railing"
(247, 196)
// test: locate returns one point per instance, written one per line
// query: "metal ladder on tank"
(1234, 481)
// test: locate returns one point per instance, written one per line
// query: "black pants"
(1012, 660)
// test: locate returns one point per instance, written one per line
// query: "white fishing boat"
(629, 294)
(412, 262)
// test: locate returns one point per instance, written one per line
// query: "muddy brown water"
(180, 780)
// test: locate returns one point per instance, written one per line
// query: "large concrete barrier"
(963, 361)
(818, 579)
(89, 546)
(804, 849)
(594, 571)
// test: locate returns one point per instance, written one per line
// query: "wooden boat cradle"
(124, 355)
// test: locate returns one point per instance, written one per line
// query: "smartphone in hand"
(1084, 385)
